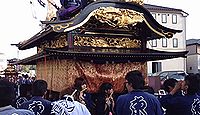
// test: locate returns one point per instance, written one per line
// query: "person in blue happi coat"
(168, 86)
(7, 95)
(187, 104)
(136, 101)
(24, 95)
(37, 103)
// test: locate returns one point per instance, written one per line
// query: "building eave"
(102, 57)
(33, 41)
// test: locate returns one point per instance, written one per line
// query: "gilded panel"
(106, 42)
(140, 2)
(117, 17)
(59, 42)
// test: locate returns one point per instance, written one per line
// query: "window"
(174, 19)
(156, 67)
(164, 18)
(175, 42)
(154, 43)
(154, 15)
(164, 42)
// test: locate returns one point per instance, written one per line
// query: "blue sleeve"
(89, 101)
(100, 105)
(168, 100)
(159, 110)
(119, 105)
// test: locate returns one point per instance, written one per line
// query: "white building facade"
(193, 56)
(171, 18)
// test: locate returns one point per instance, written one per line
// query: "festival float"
(99, 40)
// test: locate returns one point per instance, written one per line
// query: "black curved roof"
(116, 4)
(50, 30)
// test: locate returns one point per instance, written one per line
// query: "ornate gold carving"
(43, 45)
(140, 2)
(167, 34)
(58, 27)
(58, 42)
(106, 42)
(116, 17)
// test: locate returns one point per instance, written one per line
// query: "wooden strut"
(45, 65)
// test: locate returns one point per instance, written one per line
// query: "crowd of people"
(181, 98)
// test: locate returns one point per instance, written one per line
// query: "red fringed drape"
(60, 74)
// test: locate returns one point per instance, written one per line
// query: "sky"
(18, 23)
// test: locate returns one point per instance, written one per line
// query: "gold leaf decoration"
(106, 42)
(140, 2)
(59, 42)
(59, 27)
(116, 17)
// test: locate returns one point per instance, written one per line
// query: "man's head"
(25, 90)
(134, 80)
(7, 93)
(169, 84)
(190, 84)
(106, 87)
(80, 83)
(39, 88)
